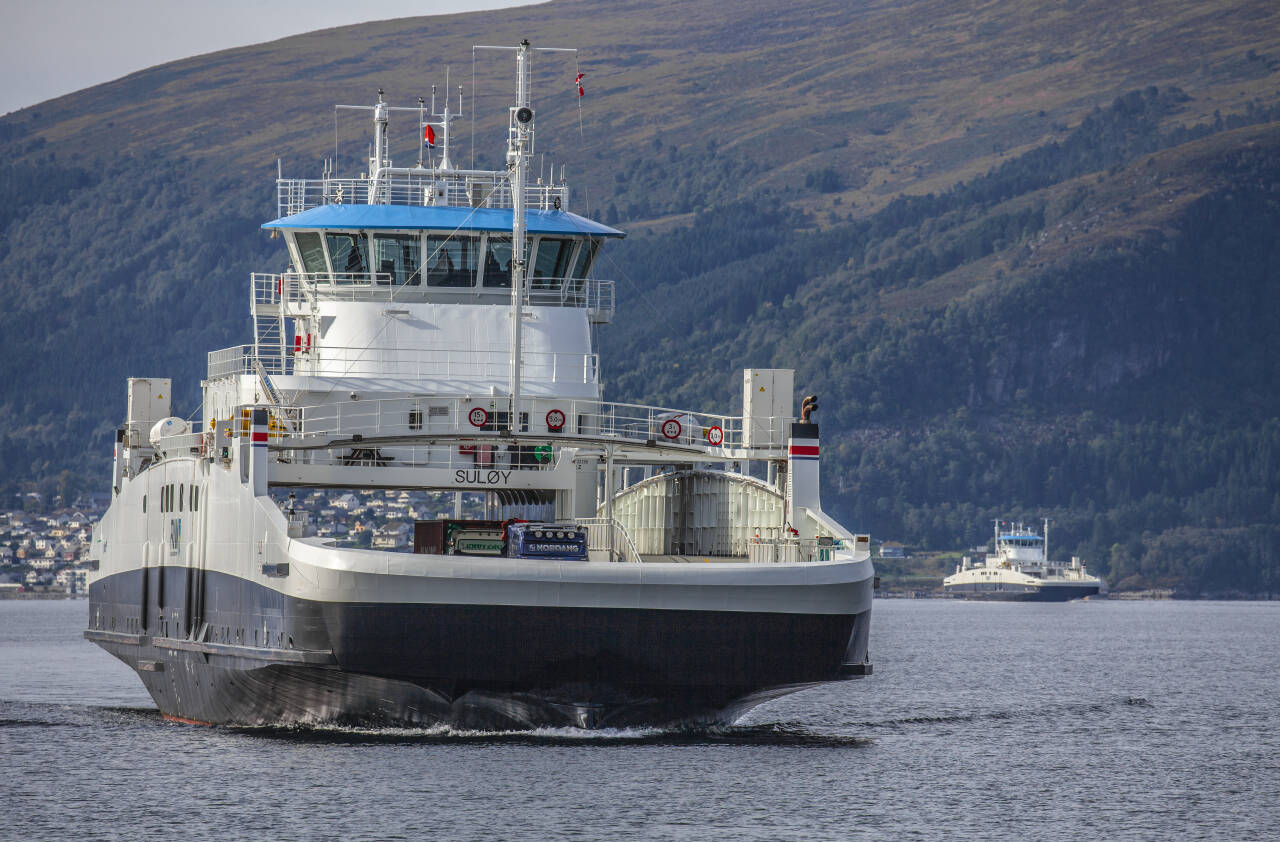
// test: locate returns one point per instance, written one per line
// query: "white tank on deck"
(166, 427)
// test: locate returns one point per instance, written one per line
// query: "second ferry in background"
(1020, 569)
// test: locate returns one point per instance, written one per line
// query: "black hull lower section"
(469, 666)
(1059, 593)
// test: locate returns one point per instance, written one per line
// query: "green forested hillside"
(1026, 253)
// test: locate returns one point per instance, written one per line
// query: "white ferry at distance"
(1020, 569)
(677, 566)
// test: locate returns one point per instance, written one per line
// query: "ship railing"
(427, 364)
(420, 188)
(239, 359)
(653, 424)
(413, 364)
(181, 445)
(791, 550)
(481, 416)
(306, 288)
(609, 536)
(470, 456)
(302, 288)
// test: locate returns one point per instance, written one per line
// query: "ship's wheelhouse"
(441, 253)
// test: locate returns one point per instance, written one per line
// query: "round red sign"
(671, 428)
(478, 417)
(555, 420)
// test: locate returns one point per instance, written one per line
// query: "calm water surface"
(1110, 720)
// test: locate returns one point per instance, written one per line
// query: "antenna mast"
(519, 151)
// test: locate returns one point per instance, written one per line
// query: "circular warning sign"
(715, 436)
(478, 416)
(555, 420)
(671, 428)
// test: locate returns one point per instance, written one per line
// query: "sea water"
(1084, 720)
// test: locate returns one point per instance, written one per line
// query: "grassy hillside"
(1025, 251)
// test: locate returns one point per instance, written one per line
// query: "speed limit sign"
(478, 416)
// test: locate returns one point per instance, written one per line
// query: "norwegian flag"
(429, 137)
(578, 82)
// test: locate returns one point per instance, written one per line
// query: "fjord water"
(1115, 720)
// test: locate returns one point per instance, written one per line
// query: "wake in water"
(764, 734)
(27, 715)
(774, 734)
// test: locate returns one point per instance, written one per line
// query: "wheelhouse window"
(586, 256)
(552, 262)
(497, 263)
(349, 255)
(582, 264)
(311, 252)
(396, 259)
(450, 261)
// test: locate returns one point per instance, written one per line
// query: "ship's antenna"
(520, 137)
(519, 149)
(422, 141)
(473, 108)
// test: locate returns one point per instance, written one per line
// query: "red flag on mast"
(578, 82)
(429, 137)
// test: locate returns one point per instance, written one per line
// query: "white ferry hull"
(470, 665)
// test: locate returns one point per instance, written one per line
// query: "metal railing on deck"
(425, 416)
(420, 364)
(239, 359)
(791, 550)
(626, 423)
(483, 457)
(605, 535)
(425, 188)
(306, 288)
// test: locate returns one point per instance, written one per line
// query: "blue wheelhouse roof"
(441, 218)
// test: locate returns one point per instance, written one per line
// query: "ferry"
(634, 565)
(1020, 569)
